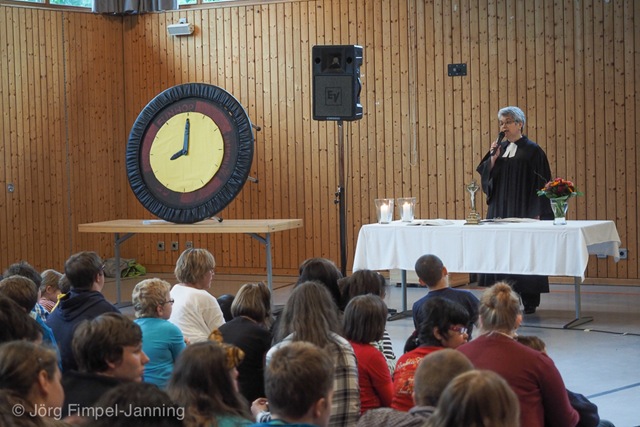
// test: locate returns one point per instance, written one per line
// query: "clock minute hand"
(185, 144)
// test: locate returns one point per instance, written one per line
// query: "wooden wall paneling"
(440, 110)
(30, 152)
(456, 145)
(611, 83)
(617, 146)
(394, 137)
(508, 54)
(576, 84)
(481, 103)
(305, 128)
(632, 129)
(520, 15)
(589, 114)
(473, 126)
(556, 96)
(600, 118)
(567, 145)
(428, 147)
(411, 121)
(462, 123)
(7, 48)
(367, 167)
(547, 127)
(248, 96)
(446, 141)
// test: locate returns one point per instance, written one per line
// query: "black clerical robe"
(511, 191)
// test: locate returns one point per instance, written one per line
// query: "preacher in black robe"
(511, 187)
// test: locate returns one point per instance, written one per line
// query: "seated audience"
(162, 341)
(324, 271)
(364, 282)
(587, 411)
(108, 349)
(24, 292)
(434, 373)
(444, 327)
(84, 301)
(30, 380)
(476, 399)
(364, 319)
(225, 301)
(311, 315)
(299, 385)
(16, 324)
(25, 269)
(204, 383)
(49, 289)
(195, 311)
(249, 330)
(434, 275)
(532, 375)
(141, 405)
(65, 288)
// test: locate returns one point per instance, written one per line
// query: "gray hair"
(514, 113)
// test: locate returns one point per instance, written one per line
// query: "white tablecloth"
(537, 247)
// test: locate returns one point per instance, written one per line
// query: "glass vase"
(559, 207)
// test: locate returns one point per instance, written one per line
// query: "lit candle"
(384, 213)
(406, 212)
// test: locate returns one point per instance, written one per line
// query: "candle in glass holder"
(384, 210)
(406, 206)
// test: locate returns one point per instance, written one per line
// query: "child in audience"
(299, 385)
(30, 381)
(249, 330)
(108, 350)
(141, 405)
(364, 282)
(476, 398)
(433, 375)
(49, 289)
(443, 327)
(311, 315)
(364, 320)
(162, 341)
(204, 382)
(588, 411)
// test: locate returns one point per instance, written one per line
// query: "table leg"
(119, 240)
(579, 320)
(266, 241)
(404, 313)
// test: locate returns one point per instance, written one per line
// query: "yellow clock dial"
(187, 152)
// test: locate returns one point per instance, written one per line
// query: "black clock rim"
(233, 184)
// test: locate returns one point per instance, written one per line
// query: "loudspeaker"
(336, 82)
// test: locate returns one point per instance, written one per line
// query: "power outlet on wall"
(161, 246)
(624, 253)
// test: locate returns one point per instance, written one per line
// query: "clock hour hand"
(185, 144)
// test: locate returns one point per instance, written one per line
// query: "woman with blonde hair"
(476, 398)
(30, 382)
(195, 311)
(532, 375)
(162, 341)
(249, 330)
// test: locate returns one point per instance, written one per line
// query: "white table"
(252, 227)
(536, 247)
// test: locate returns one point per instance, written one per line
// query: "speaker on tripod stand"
(336, 96)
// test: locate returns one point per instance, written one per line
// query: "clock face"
(189, 152)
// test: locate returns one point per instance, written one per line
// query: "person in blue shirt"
(162, 341)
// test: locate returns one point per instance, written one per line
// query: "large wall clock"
(189, 152)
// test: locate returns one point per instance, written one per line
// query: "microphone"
(500, 138)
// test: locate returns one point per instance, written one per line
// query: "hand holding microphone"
(496, 146)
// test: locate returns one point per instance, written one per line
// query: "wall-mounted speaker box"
(336, 82)
(181, 29)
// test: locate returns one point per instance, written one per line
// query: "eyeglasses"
(507, 123)
(459, 329)
(171, 301)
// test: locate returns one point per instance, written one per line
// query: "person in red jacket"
(531, 374)
(364, 319)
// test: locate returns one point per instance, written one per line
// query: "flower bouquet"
(559, 191)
